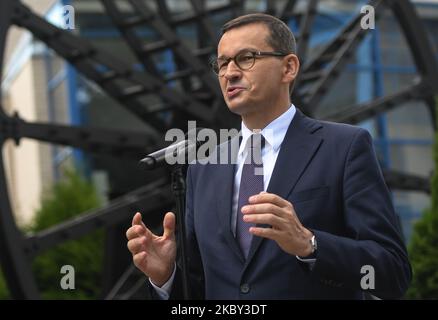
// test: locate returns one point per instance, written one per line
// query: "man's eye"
(222, 64)
(245, 58)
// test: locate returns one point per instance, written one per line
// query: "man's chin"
(237, 108)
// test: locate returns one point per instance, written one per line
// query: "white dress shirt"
(273, 134)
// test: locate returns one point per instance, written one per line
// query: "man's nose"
(232, 71)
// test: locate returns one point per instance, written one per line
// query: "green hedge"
(69, 197)
(423, 252)
(4, 293)
(423, 248)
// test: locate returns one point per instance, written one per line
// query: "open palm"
(153, 255)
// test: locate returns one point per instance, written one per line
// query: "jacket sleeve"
(373, 240)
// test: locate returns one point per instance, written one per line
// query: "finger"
(265, 218)
(140, 260)
(266, 197)
(263, 208)
(169, 226)
(267, 233)
(142, 242)
(136, 220)
(135, 231)
(131, 233)
(136, 245)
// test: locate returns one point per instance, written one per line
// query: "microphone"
(177, 153)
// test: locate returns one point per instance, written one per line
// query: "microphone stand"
(179, 191)
(178, 185)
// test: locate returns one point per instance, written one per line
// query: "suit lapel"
(297, 150)
(225, 176)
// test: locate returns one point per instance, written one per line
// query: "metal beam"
(15, 265)
(95, 140)
(397, 180)
(107, 71)
(367, 110)
(335, 55)
(150, 198)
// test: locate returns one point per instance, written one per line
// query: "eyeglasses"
(244, 60)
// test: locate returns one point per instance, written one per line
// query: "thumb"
(169, 225)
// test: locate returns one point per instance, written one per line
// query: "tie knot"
(255, 146)
(256, 140)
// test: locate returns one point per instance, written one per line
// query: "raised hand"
(153, 255)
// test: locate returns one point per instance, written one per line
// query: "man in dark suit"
(301, 211)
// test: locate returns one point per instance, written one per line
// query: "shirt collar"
(273, 133)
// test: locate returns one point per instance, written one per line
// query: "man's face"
(253, 90)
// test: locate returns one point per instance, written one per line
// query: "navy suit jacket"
(329, 172)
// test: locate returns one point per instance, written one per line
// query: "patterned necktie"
(251, 183)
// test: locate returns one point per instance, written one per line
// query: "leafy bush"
(68, 198)
(424, 257)
(4, 293)
(423, 248)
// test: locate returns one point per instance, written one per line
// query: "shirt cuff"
(310, 262)
(164, 291)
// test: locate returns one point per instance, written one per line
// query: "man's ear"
(291, 67)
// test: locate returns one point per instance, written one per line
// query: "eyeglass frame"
(215, 66)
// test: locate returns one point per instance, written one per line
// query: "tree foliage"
(68, 198)
(423, 248)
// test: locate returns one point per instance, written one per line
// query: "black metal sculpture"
(197, 100)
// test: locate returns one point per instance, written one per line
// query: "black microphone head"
(149, 162)
(181, 149)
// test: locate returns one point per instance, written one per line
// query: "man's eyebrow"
(240, 51)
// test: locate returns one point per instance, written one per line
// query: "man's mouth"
(234, 90)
